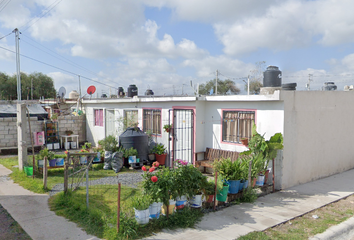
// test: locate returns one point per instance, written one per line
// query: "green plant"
(229, 169)
(109, 143)
(250, 195)
(54, 116)
(159, 149)
(209, 187)
(141, 202)
(167, 127)
(130, 152)
(46, 153)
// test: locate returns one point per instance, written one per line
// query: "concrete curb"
(344, 230)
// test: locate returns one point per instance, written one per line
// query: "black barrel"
(149, 92)
(289, 86)
(272, 77)
(132, 90)
(121, 92)
(134, 137)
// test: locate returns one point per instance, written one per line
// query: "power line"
(4, 4)
(45, 12)
(67, 71)
(6, 35)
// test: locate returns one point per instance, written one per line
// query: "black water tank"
(121, 92)
(272, 77)
(149, 92)
(132, 90)
(134, 137)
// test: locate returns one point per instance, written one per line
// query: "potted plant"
(167, 127)
(141, 207)
(151, 156)
(244, 141)
(49, 155)
(68, 132)
(131, 154)
(209, 191)
(159, 151)
(54, 117)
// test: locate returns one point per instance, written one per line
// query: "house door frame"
(109, 122)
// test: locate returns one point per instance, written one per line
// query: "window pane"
(98, 114)
(152, 121)
(236, 125)
(131, 118)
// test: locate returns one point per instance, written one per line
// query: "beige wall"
(75, 123)
(318, 135)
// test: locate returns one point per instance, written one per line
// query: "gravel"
(127, 179)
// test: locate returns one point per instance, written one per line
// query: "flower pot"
(260, 180)
(56, 145)
(161, 158)
(244, 141)
(40, 163)
(181, 202)
(83, 160)
(210, 198)
(240, 186)
(234, 186)
(97, 158)
(59, 162)
(50, 146)
(196, 201)
(142, 216)
(171, 207)
(245, 185)
(254, 182)
(266, 174)
(155, 209)
(222, 195)
(151, 157)
(67, 145)
(132, 159)
(52, 162)
(73, 145)
(28, 171)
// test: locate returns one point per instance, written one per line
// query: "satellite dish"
(62, 92)
(91, 90)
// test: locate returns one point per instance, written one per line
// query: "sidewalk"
(31, 211)
(267, 211)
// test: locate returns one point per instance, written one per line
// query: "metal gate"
(183, 136)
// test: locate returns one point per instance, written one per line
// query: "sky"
(171, 46)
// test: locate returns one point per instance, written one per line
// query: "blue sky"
(164, 44)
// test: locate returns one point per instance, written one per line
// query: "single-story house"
(316, 126)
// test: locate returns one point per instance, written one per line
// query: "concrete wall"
(8, 131)
(77, 124)
(318, 135)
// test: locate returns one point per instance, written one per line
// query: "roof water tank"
(134, 137)
(149, 92)
(121, 92)
(272, 77)
(132, 90)
(329, 86)
(74, 95)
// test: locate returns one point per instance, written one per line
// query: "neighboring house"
(316, 126)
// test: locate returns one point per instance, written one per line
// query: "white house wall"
(318, 135)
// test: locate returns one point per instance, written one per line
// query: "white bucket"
(40, 163)
(155, 209)
(260, 180)
(67, 145)
(196, 201)
(50, 146)
(132, 159)
(142, 216)
(56, 145)
(83, 160)
(181, 202)
(73, 145)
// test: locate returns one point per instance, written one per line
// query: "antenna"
(308, 83)
(62, 92)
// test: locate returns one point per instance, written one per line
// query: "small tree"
(223, 87)
(256, 78)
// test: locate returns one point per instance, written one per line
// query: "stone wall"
(8, 129)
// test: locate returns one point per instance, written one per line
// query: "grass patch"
(100, 219)
(307, 226)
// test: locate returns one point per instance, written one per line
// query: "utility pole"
(308, 83)
(216, 86)
(17, 34)
(31, 88)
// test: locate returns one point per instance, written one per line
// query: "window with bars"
(131, 118)
(98, 117)
(237, 125)
(152, 121)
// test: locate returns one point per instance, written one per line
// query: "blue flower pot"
(234, 186)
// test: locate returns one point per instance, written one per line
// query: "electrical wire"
(6, 35)
(4, 5)
(45, 12)
(64, 70)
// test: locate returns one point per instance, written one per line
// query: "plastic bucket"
(210, 198)
(142, 216)
(59, 162)
(245, 185)
(73, 145)
(260, 180)
(196, 201)
(180, 202)
(83, 160)
(52, 162)
(28, 171)
(40, 163)
(171, 207)
(132, 159)
(222, 195)
(240, 186)
(97, 158)
(67, 145)
(155, 209)
(234, 186)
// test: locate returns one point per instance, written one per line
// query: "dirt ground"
(9, 228)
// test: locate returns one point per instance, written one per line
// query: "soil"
(9, 228)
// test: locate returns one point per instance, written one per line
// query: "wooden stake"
(118, 211)
(273, 175)
(45, 172)
(249, 175)
(216, 180)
